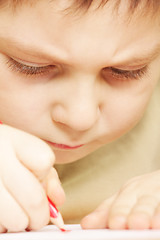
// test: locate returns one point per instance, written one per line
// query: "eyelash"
(128, 75)
(28, 70)
(115, 72)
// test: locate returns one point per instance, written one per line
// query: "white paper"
(52, 233)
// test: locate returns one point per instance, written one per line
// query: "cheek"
(124, 112)
(127, 115)
(20, 103)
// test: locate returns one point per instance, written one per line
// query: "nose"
(78, 108)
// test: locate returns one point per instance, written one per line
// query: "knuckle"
(37, 202)
(46, 160)
(148, 199)
(130, 186)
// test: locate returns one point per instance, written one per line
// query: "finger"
(99, 218)
(12, 216)
(53, 188)
(34, 153)
(142, 212)
(120, 210)
(28, 192)
(155, 222)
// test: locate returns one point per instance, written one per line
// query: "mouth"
(63, 146)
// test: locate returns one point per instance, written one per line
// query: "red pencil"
(56, 217)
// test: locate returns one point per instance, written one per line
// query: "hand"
(135, 206)
(26, 176)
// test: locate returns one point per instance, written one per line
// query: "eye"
(123, 75)
(30, 70)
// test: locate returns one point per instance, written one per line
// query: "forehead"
(98, 32)
(117, 10)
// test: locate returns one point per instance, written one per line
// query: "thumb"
(53, 187)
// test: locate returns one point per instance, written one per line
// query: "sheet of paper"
(52, 233)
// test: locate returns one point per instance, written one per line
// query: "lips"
(63, 146)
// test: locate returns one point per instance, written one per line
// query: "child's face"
(68, 93)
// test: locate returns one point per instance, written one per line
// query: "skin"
(76, 101)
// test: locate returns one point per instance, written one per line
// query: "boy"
(75, 76)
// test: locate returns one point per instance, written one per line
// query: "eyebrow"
(56, 55)
(144, 57)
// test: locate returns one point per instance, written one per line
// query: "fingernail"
(28, 229)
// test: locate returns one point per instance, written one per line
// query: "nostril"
(58, 114)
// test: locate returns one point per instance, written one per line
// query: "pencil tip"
(63, 230)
